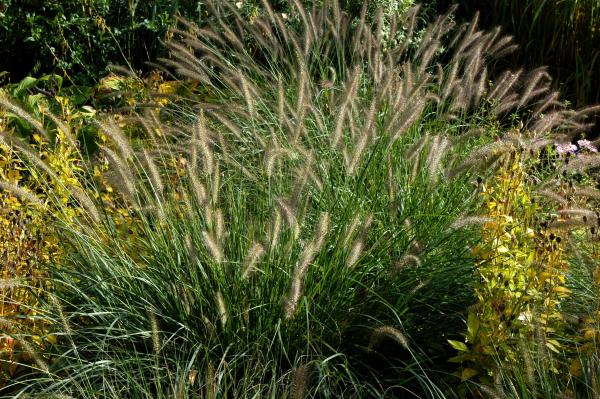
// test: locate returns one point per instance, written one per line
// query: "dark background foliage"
(564, 35)
(79, 38)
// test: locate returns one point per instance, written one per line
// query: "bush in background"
(77, 39)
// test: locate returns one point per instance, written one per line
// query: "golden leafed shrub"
(520, 271)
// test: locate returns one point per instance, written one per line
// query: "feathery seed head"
(212, 246)
(299, 382)
(390, 332)
(156, 344)
(405, 261)
(355, 253)
(254, 254)
(222, 309)
(466, 221)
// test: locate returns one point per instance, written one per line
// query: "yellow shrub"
(520, 271)
(26, 243)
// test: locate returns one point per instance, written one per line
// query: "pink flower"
(564, 149)
(587, 145)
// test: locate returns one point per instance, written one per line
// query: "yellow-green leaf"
(459, 346)
(472, 327)
(467, 374)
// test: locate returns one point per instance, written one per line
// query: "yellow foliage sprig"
(520, 271)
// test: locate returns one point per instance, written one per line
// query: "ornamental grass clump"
(288, 223)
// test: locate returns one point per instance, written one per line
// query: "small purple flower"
(587, 145)
(564, 149)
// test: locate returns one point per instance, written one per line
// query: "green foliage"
(79, 39)
(236, 280)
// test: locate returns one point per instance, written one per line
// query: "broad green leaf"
(472, 327)
(24, 84)
(459, 346)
